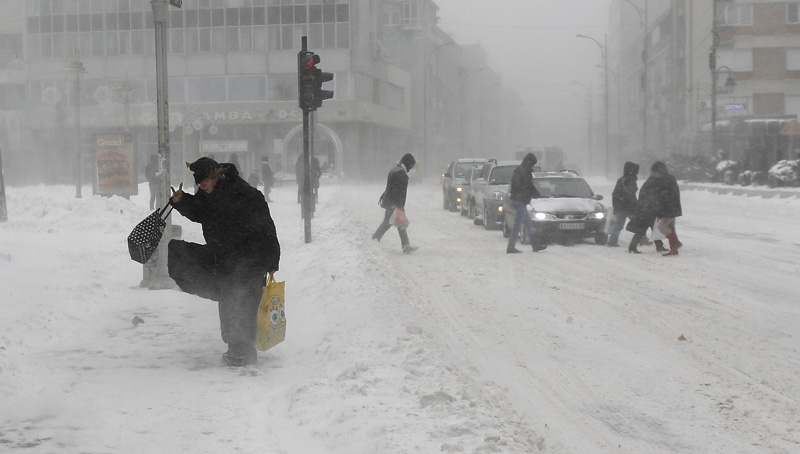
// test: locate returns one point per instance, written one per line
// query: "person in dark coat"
(151, 174)
(623, 199)
(241, 249)
(644, 215)
(522, 191)
(668, 197)
(316, 173)
(395, 197)
(268, 177)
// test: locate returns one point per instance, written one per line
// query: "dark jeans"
(521, 221)
(385, 226)
(616, 227)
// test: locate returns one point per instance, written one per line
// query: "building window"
(282, 87)
(792, 13)
(793, 59)
(207, 89)
(410, 13)
(736, 14)
(247, 88)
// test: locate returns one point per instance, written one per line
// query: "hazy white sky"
(537, 37)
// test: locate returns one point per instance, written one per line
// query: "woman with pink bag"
(393, 200)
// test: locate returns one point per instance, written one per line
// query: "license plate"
(572, 226)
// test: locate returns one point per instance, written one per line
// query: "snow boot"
(512, 250)
(674, 245)
(407, 249)
(239, 355)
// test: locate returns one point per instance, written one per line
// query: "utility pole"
(3, 210)
(712, 63)
(645, 58)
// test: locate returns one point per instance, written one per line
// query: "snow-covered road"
(455, 348)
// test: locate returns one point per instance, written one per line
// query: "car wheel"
(506, 230)
(444, 201)
(487, 224)
(463, 208)
(601, 239)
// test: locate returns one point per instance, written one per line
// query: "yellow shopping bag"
(271, 319)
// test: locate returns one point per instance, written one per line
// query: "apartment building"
(757, 71)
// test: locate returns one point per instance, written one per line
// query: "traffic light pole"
(310, 96)
(306, 199)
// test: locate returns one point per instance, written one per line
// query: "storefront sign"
(115, 160)
(235, 115)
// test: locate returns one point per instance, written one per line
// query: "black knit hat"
(408, 161)
(203, 168)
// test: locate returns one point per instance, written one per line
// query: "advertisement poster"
(115, 158)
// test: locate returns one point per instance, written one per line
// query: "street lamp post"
(645, 57)
(160, 17)
(604, 54)
(591, 107)
(125, 89)
(75, 70)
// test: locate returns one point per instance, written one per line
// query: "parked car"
(453, 178)
(489, 191)
(567, 209)
(467, 193)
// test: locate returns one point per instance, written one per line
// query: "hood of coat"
(529, 161)
(631, 169)
(659, 167)
(408, 161)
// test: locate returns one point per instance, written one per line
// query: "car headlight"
(598, 215)
(498, 195)
(539, 216)
(459, 189)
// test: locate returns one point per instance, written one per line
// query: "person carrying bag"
(393, 201)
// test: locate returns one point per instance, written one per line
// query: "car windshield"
(463, 168)
(563, 187)
(502, 175)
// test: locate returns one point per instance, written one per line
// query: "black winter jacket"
(646, 207)
(623, 199)
(668, 196)
(522, 188)
(237, 224)
(396, 188)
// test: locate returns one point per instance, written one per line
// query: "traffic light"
(309, 81)
(320, 94)
(306, 72)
